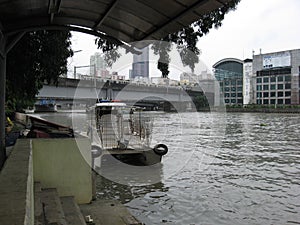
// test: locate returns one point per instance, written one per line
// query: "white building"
(276, 78)
(140, 80)
(164, 81)
(247, 81)
(188, 79)
(116, 76)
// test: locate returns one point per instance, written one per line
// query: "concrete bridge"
(69, 92)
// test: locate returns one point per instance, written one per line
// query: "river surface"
(234, 168)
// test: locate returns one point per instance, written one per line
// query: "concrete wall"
(56, 163)
(16, 186)
(59, 163)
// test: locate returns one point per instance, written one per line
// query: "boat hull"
(127, 156)
(140, 168)
(45, 108)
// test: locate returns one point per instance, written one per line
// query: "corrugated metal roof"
(126, 20)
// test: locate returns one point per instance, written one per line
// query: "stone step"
(52, 208)
(72, 211)
(38, 206)
(108, 212)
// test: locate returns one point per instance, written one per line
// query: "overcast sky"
(269, 25)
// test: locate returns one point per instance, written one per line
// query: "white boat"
(124, 133)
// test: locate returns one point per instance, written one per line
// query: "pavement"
(108, 212)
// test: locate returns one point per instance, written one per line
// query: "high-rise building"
(140, 65)
(276, 78)
(247, 81)
(97, 64)
(229, 73)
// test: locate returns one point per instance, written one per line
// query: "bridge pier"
(178, 106)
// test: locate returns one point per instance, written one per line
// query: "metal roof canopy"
(126, 20)
(117, 20)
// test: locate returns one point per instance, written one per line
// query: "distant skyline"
(269, 25)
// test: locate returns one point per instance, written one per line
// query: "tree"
(185, 39)
(40, 56)
(200, 102)
(162, 49)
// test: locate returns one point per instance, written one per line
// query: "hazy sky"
(269, 25)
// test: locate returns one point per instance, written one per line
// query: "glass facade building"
(229, 73)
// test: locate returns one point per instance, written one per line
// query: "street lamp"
(86, 67)
(76, 51)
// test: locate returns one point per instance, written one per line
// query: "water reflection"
(129, 174)
(107, 189)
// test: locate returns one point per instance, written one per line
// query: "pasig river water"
(234, 168)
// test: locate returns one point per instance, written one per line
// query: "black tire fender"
(160, 149)
(96, 151)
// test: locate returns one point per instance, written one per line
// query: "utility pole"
(76, 51)
(95, 85)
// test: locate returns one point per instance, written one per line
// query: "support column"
(5, 46)
(2, 99)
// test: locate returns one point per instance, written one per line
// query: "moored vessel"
(124, 133)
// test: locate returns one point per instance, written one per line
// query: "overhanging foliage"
(39, 57)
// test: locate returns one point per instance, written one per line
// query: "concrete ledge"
(64, 164)
(16, 186)
(57, 163)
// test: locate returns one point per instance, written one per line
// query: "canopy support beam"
(5, 47)
(14, 40)
(183, 13)
(2, 100)
(53, 8)
(128, 47)
(108, 11)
